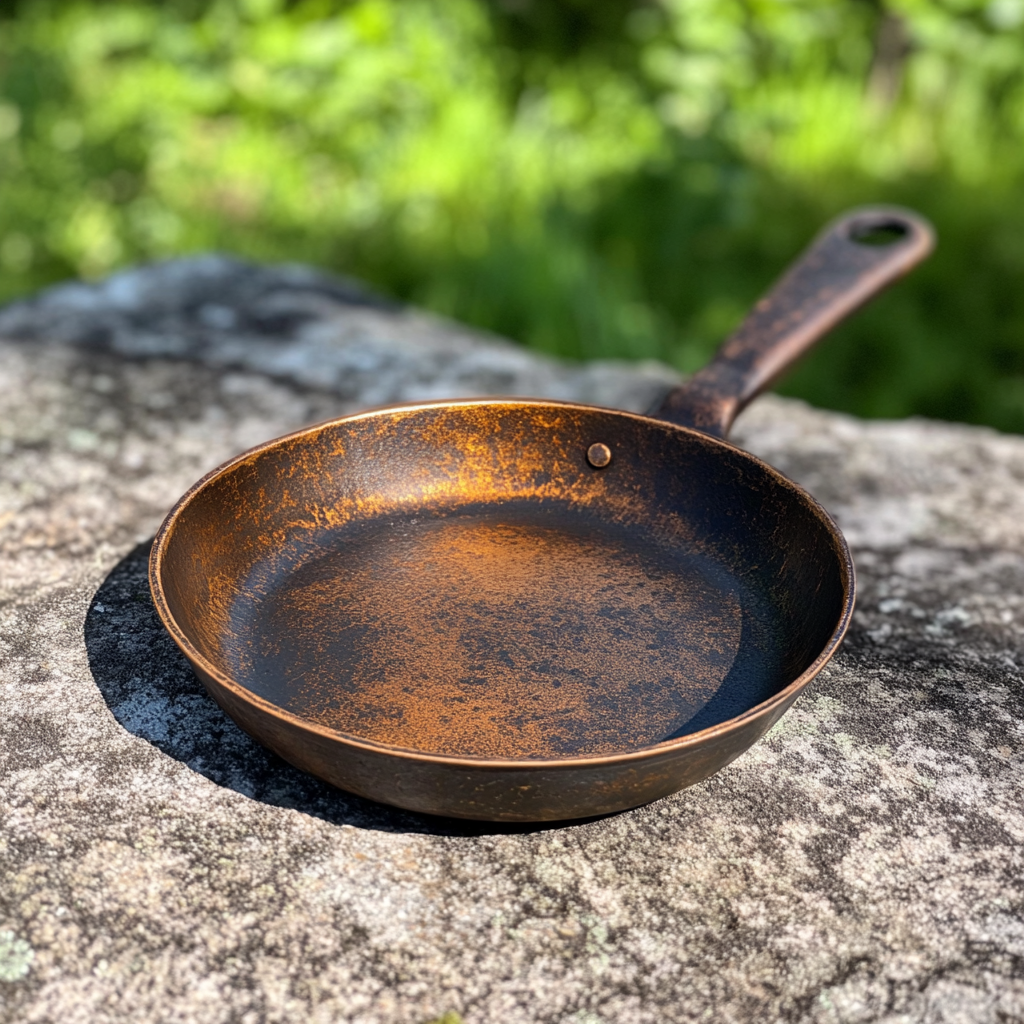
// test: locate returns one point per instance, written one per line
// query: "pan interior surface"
(516, 631)
(461, 580)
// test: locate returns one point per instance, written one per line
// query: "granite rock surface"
(862, 864)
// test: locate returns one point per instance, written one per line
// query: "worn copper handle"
(852, 260)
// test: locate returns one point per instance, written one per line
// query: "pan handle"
(852, 260)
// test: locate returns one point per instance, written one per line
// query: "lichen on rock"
(16, 956)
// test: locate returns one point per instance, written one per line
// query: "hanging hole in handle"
(878, 232)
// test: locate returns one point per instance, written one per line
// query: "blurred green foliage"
(591, 178)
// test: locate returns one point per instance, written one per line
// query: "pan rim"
(666, 747)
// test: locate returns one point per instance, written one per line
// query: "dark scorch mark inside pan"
(515, 631)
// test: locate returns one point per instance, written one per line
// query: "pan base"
(506, 633)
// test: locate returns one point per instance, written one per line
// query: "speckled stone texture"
(864, 863)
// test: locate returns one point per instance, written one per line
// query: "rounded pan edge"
(496, 789)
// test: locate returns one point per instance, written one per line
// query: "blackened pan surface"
(460, 582)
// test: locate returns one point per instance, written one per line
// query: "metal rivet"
(599, 455)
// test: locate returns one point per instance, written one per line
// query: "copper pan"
(523, 610)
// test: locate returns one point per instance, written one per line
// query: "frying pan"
(526, 610)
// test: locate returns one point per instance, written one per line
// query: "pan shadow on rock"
(152, 691)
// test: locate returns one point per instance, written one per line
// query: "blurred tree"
(590, 178)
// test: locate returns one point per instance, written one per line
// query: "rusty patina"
(521, 610)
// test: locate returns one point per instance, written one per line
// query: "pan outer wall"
(521, 793)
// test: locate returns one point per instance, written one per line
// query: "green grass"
(593, 180)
